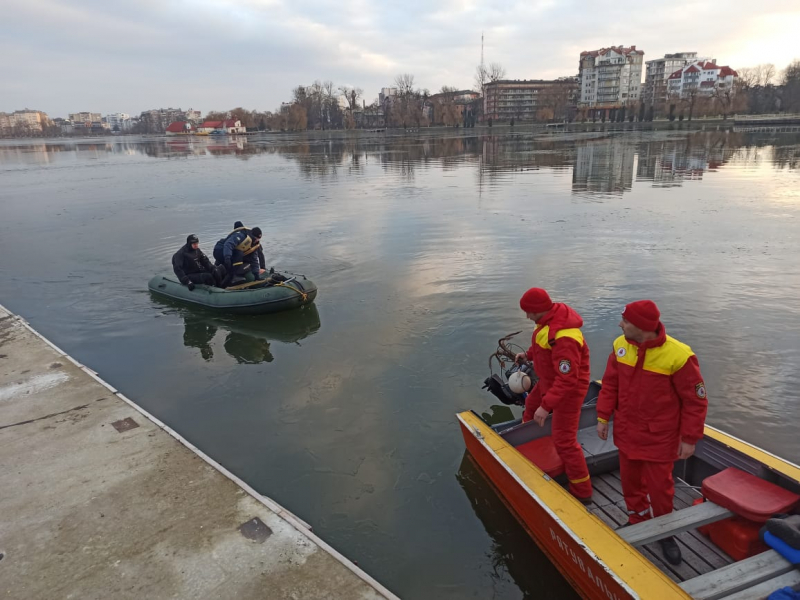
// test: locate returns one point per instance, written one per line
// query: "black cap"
(256, 231)
(192, 239)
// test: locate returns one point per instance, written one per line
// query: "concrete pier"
(100, 500)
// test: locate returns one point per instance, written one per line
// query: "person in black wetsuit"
(191, 266)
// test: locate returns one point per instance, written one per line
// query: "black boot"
(671, 551)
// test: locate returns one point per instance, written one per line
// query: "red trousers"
(565, 440)
(641, 478)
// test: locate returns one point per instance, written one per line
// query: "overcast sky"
(63, 56)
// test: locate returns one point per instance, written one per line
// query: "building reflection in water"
(601, 163)
(246, 339)
(604, 167)
(668, 163)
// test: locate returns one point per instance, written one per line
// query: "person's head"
(193, 241)
(640, 320)
(256, 231)
(536, 303)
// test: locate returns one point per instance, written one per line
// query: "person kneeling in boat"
(560, 358)
(191, 266)
(230, 252)
(653, 388)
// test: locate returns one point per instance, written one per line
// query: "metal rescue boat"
(724, 494)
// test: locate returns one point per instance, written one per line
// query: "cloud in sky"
(65, 56)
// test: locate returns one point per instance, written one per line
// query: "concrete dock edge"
(371, 587)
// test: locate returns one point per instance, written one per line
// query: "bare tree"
(768, 73)
(404, 84)
(481, 77)
(351, 95)
(495, 72)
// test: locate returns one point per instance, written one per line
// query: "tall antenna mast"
(481, 52)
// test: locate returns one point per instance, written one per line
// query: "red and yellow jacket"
(657, 396)
(560, 358)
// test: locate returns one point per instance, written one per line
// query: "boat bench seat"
(736, 577)
(673, 523)
(542, 453)
(747, 495)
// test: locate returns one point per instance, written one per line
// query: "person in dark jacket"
(191, 266)
(234, 253)
(255, 255)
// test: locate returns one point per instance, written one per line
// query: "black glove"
(190, 285)
(184, 280)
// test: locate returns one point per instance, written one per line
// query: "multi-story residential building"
(85, 117)
(195, 116)
(701, 78)
(385, 94)
(535, 99)
(23, 123)
(657, 74)
(610, 77)
(118, 122)
(449, 108)
(157, 120)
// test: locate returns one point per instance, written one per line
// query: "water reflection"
(513, 550)
(246, 338)
(602, 163)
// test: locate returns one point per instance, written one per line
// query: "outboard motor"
(520, 380)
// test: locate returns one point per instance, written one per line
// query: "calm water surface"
(421, 247)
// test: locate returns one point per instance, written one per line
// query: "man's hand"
(685, 450)
(520, 358)
(190, 285)
(540, 415)
(602, 430)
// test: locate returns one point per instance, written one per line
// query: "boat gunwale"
(785, 467)
(592, 553)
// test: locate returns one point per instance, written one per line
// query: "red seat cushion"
(542, 453)
(747, 495)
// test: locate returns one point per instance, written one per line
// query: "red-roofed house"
(180, 128)
(231, 126)
(701, 77)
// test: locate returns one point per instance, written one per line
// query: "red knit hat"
(643, 314)
(535, 300)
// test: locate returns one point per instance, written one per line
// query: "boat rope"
(291, 287)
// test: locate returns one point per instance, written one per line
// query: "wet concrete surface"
(99, 501)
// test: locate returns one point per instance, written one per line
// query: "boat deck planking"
(700, 554)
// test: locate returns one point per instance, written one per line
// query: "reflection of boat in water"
(292, 293)
(742, 486)
(247, 339)
(512, 548)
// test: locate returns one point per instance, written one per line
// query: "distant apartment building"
(385, 94)
(449, 108)
(195, 116)
(610, 77)
(702, 78)
(528, 100)
(657, 74)
(22, 123)
(85, 117)
(118, 122)
(157, 120)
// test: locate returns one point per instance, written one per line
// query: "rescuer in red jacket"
(653, 388)
(560, 358)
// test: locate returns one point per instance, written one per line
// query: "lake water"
(421, 247)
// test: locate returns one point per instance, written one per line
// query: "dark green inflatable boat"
(294, 292)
